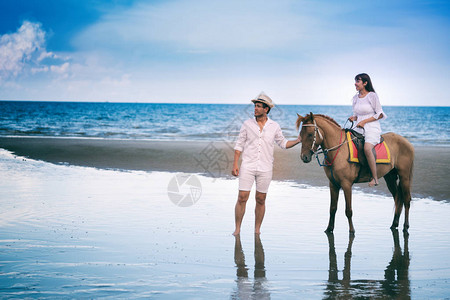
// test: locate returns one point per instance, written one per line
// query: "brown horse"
(320, 130)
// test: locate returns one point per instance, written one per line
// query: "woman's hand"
(352, 118)
(361, 124)
(365, 121)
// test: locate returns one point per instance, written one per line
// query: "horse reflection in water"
(395, 287)
(245, 288)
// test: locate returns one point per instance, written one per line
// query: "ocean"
(191, 122)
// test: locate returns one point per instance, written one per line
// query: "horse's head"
(310, 136)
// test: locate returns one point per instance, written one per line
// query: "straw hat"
(264, 99)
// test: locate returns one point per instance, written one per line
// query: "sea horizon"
(201, 103)
(421, 125)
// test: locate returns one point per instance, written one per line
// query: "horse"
(324, 132)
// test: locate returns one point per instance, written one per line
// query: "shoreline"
(213, 159)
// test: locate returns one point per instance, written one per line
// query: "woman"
(366, 112)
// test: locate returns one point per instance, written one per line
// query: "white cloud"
(42, 69)
(45, 55)
(16, 49)
(23, 53)
(62, 70)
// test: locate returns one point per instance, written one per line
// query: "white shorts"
(372, 138)
(246, 179)
(371, 132)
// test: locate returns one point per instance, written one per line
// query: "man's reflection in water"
(391, 287)
(245, 288)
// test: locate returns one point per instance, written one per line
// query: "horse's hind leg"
(391, 182)
(405, 190)
(347, 188)
(405, 175)
(334, 196)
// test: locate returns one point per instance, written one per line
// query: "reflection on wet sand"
(400, 265)
(397, 287)
(245, 288)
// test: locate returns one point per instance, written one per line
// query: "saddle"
(356, 149)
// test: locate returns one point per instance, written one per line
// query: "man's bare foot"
(373, 183)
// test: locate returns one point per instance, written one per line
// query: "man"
(256, 142)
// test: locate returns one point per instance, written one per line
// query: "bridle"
(316, 130)
(319, 150)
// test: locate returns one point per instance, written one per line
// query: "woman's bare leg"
(372, 164)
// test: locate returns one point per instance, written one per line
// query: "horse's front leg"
(347, 188)
(334, 193)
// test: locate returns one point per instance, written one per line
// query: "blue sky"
(206, 51)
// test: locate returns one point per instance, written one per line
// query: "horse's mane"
(327, 118)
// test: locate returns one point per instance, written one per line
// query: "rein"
(325, 162)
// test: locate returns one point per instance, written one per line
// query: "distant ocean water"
(157, 121)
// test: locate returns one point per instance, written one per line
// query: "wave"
(168, 130)
(194, 122)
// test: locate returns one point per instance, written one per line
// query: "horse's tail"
(411, 170)
(392, 182)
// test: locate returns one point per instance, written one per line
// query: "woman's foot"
(373, 183)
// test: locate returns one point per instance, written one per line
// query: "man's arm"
(283, 142)
(292, 143)
(235, 171)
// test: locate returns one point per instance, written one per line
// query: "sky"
(208, 51)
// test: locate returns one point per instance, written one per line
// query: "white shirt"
(364, 108)
(257, 145)
(367, 106)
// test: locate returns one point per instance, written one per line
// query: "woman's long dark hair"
(365, 78)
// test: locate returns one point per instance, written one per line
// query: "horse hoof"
(328, 230)
(393, 227)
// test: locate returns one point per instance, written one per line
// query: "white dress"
(364, 108)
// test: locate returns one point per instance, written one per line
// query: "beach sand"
(215, 159)
(79, 232)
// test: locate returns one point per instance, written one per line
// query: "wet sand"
(77, 232)
(214, 159)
